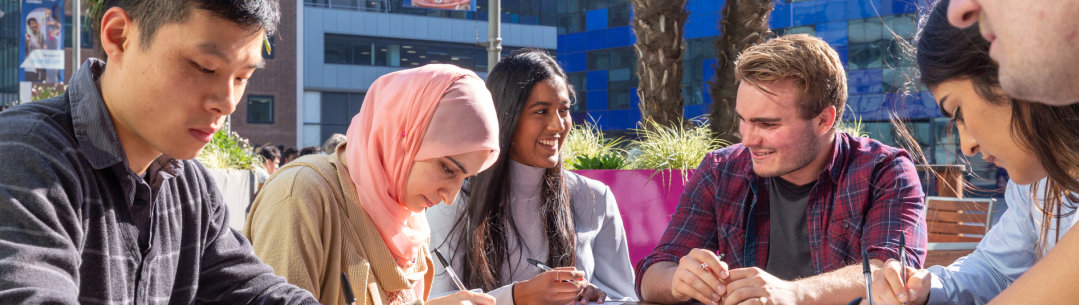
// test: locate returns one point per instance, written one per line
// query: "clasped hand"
(701, 275)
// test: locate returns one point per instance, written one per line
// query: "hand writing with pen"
(557, 286)
(892, 288)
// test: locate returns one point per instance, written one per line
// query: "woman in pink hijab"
(360, 211)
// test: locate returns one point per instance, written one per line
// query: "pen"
(540, 265)
(449, 270)
(350, 298)
(903, 261)
(868, 277)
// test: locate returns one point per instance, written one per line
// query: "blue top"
(1005, 253)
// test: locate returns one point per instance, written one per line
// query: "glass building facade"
(595, 46)
(513, 11)
(9, 53)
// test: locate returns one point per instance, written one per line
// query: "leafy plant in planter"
(610, 160)
(682, 146)
(587, 148)
(227, 150)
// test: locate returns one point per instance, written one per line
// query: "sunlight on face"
(438, 180)
(985, 128)
(176, 92)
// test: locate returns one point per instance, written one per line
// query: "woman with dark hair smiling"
(1035, 143)
(526, 207)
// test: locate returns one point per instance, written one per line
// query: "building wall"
(321, 21)
(333, 92)
(277, 80)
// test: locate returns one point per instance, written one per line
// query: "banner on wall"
(465, 5)
(41, 49)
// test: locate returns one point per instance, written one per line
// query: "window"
(901, 79)
(619, 98)
(571, 23)
(371, 51)
(260, 109)
(623, 57)
(866, 30)
(699, 48)
(805, 29)
(599, 60)
(618, 16)
(865, 56)
(620, 83)
(577, 80)
(903, 25)
(337, 111)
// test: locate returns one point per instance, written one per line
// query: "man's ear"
(117, 33)
(826, 120)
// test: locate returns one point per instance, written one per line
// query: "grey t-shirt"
(788, 242)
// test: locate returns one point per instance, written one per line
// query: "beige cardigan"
(310, 231)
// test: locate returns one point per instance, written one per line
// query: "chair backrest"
(958, 219)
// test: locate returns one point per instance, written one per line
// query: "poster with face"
(467, 5)
(41, 52)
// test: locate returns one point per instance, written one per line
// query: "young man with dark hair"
(270, 158)
(1034, 42)
(288, 155)
(792, 207)
(100, 201)
(310, 150)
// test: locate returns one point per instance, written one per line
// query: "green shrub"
(605, 161)
(229, 151)
(853, 127)
(587, 141)
(678, 147)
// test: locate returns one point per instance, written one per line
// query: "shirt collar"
(94, 129)
(840, 148)
(90, 117)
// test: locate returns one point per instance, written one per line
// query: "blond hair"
(808, 60)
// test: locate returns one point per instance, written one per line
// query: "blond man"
(783, 217)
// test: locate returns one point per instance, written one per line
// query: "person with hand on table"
(1032, 141)
(790, 208)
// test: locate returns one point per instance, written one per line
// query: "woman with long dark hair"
(1035, 143)
(526, 207)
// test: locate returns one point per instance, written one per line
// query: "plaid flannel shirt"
(868, 195)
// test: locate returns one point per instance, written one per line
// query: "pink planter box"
(646, 199)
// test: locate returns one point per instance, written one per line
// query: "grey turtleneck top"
(602, 250)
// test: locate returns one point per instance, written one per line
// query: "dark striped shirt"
(78, 226)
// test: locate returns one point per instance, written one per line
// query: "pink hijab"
(416, 114)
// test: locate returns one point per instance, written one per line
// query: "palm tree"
(744, 23)
(659, 25)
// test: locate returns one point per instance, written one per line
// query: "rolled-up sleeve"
(897, 209)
